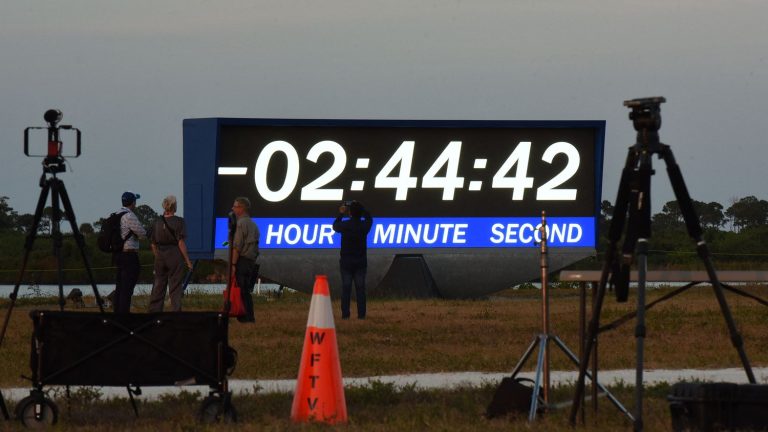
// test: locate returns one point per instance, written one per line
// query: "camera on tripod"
(646, 112)
(54, 157)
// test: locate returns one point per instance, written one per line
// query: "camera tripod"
(52, 165)
(633, 212)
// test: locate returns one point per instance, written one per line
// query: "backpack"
(109, 239)
(514, 397)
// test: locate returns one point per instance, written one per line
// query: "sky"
(128, 73)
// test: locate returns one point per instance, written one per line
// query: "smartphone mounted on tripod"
(54, 157)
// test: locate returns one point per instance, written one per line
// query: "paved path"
(445, 380)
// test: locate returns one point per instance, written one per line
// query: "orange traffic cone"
(319, 392)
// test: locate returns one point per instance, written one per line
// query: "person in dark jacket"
(353, 260)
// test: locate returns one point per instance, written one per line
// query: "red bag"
(236, 307)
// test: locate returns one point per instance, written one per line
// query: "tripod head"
(54, 159)
(646, 112)
(646, 117)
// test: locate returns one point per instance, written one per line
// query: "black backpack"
(514, 397)
(109, 239)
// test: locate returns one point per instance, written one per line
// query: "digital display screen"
(427, 184)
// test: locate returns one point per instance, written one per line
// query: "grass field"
(380, 407)
(411, 336)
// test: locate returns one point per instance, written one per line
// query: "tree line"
(10, 220)
(747, 212)
(42, 265)
(737, 236)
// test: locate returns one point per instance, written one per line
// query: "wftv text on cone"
(319, 392)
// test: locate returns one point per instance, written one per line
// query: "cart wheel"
(212, 410)
(19, 404)
(37, 413)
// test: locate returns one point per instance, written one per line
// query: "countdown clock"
(432, 186)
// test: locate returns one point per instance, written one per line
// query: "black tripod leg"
(188, 277)
(614, 232)
(80, 242)
(57, 238)
(621, 269)
(696, 233)
(642, 230)
(27, 250)
(131, 392)
(3, 407)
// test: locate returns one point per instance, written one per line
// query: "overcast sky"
(127, 73)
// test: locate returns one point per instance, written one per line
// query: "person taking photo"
(354, 223)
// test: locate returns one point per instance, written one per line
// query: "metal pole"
(642, 269)
(545, 303)
(594, 354)
(582, 335)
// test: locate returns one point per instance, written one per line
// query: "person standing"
(353, 260)
(245, 250)
(170, 250)
(127, 260)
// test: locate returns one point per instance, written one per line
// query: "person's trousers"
(128, 269)
(246, 273)
(353, 270)
(169, 275)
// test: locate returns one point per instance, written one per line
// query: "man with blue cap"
(127, 261)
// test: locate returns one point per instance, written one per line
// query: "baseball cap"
(130, 197)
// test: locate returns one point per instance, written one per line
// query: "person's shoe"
(243, 319)
(361, 317)
(345, 317)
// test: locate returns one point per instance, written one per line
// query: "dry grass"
(437, 335)
(412, 336)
